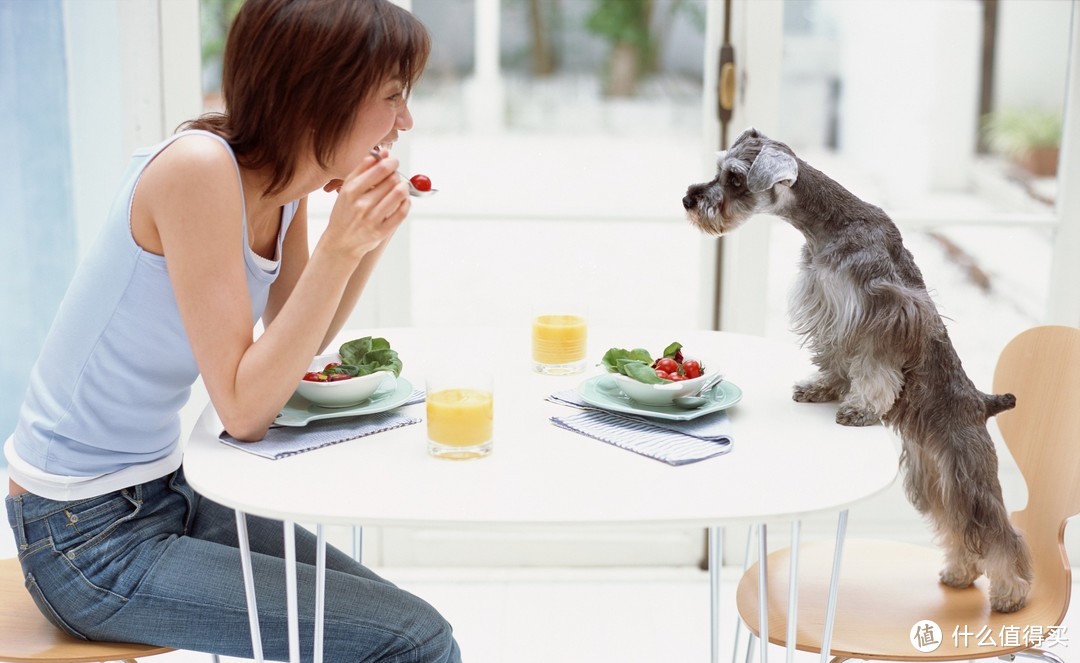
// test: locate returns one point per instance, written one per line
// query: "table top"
(788, 459)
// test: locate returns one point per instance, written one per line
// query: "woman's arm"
(191, 194)
(295, 258)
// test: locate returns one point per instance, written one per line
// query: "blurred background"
(562, 135)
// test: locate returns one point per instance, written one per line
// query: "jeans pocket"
(46, 608)
(82, 525)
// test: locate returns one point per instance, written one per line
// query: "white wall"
(1028, 76)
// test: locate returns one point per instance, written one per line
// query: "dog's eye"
(734, 181)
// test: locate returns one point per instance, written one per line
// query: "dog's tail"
(997, 403)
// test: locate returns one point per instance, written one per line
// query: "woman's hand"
(372, 202)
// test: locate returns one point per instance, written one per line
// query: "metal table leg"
(834, 586)
(763, 591)
(716, 556)
(738, 620)
(249, 586)
(320, 591)
(793, 590)
(358, 543)
(290, 591)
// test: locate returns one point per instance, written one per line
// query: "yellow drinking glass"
(558, 343)
(460, 417)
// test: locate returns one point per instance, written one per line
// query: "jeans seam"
(87, 581)
(28, 580)
(94, 541)
(37, 546)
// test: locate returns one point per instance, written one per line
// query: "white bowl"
(341, 393)
(659, 394)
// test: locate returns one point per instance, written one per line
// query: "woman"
(207, 235)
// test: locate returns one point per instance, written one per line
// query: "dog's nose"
(687, 201)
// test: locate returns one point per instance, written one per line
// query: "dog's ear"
(771, 167)
(749, 132)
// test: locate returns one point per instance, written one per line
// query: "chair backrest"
(1041, 367)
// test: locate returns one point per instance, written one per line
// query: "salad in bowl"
(657, 380)
(351, 375)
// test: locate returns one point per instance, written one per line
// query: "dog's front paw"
(1008, 596)
(813, 392)
(849, 416)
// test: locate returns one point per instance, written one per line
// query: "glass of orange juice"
(460, 415)
(559, 333)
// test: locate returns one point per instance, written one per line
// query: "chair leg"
(1038, 654)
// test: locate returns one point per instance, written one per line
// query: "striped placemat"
(669, 441)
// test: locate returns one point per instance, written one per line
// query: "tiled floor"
(586, 615)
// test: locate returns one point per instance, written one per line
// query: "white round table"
(788, 459)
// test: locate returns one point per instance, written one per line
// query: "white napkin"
(283, 441)
(669, 441)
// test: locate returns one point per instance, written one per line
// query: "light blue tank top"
(116, 367)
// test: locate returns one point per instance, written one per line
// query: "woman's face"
(376, 124)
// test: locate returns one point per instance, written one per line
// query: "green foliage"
(623, 22)
(1015, 131)
(215, 18)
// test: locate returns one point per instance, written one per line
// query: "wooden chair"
(886, 588)
(25, 635)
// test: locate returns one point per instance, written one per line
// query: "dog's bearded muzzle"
(703, 210)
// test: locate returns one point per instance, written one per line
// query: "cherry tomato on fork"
(421, 182)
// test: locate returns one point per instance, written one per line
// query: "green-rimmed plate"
(602, 392)
(299, 411)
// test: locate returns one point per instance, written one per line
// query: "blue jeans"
(159, 564)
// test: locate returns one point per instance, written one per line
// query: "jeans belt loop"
(20, 523)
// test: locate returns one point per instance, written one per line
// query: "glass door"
(950, 116)
(562, 135)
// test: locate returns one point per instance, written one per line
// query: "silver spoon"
(413, 191)
(696, 401)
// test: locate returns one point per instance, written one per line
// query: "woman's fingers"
(372, 201)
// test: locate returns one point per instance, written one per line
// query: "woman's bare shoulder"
(196, 154)
(188, 185)
(193, 164)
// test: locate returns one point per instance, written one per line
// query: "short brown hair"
(300, 68)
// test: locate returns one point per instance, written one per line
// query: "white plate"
(602, 392)
(299, 411)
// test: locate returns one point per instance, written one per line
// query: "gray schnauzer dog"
(882, 350)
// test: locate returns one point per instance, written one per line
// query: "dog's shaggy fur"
(882, 350)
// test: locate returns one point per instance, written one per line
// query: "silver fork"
(413, 191)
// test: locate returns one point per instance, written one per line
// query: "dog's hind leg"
(1008, 563)
(922, 484)
(973, 504)
(961, 566)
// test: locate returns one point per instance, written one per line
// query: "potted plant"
(1031, 137)
(625, 24)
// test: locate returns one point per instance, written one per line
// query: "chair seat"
(886, 588)
(25, 635)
